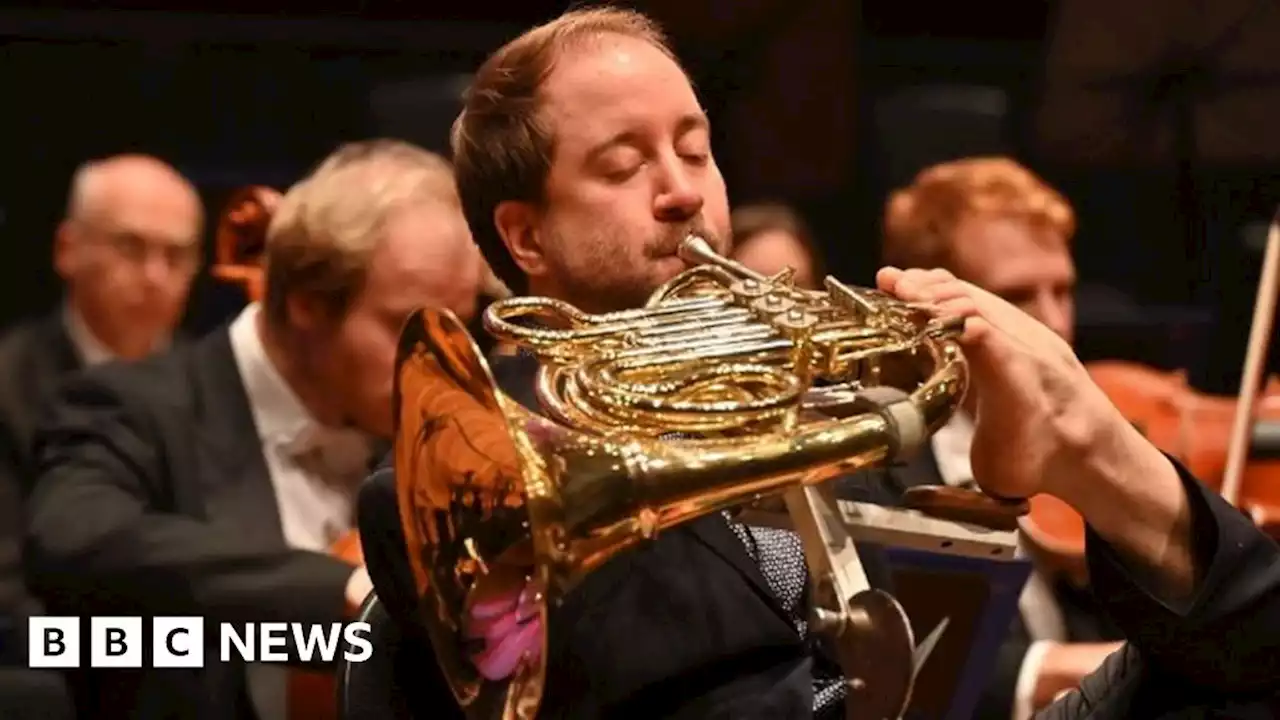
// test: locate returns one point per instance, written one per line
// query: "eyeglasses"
(138, 250)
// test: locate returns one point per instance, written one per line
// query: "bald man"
(127, 252)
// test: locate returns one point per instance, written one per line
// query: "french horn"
(727, 389)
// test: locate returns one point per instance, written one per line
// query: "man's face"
(773, 251)
(1028, 266)
(426, 260)
(131, 263)
(631, 177)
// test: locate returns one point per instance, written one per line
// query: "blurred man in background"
(993, 223)
(127, 252)
(217, 477)
(769, 237)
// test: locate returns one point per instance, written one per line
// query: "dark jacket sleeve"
(1227, 636)
(1220, 649)
(103, 532)
(16, 603)
(12, 588)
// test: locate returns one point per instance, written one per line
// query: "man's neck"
(92, 342)
(281, 353)
(541, 287)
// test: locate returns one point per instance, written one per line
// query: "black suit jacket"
(34, 357)
(1217, 656)
(153, 499)
(1214, 656)
(1082, 614)
(684, 626)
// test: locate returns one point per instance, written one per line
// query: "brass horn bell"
(725, 389)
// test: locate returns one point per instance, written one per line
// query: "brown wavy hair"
(920, 220)
(502, 147)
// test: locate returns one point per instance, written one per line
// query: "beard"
(601, 273)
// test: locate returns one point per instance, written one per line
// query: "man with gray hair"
(212, 480)
(127, 251)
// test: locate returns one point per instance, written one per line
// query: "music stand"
(962, 578)
(1173, 86)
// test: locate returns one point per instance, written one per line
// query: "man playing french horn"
(583, 161)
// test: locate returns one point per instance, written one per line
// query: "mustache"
(669, 242)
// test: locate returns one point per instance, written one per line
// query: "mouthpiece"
(697, 251)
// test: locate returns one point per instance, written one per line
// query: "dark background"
(822, 103)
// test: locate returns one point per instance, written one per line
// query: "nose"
(678, 199)
(155, 269)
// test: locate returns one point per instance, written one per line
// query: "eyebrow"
(686, 124)
(693, 121)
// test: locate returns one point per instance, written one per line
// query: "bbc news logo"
(179, 642)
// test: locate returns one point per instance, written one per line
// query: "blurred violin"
(240, 243)
(241, 238)
(1211, 435)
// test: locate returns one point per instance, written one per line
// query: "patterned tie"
(780, 556)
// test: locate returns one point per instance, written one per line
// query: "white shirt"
(1039, 609)
(314, 473)
(314, 469)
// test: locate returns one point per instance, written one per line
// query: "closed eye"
(624, 174)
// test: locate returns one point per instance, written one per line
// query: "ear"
(307, 313)
(517, 225)
(66, 256)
